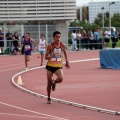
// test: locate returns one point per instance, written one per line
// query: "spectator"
(118, 34)
(84, 40)
(114, 38)
(74, 41)
(96, 38)
(107, 37)
(15, 39)
(100, 33)
(90, 37)
(1, 41)
(9, 38)
(16, 50)
(79, 40)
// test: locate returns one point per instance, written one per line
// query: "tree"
(115, 20)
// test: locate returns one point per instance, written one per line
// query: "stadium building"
(53, 14)
(41, 10)
(96, 7)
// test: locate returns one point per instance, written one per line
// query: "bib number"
(27, 47)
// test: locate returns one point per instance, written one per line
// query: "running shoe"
(48, 101)
(53, 85)
(26, 69)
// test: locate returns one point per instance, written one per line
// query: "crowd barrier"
(109, 58)
(81, 44)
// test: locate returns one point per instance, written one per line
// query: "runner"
(27, 42)
(54, 53)
(42, 48)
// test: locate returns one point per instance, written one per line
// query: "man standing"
(74, 41)
(107, 37)
(1, 41)
(9, 38)
(54, 54)
(96, 38)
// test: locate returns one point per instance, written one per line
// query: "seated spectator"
(15, 39)
(16, 51)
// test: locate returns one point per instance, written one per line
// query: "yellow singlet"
(57, 60)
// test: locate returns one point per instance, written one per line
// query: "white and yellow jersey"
(56, 61)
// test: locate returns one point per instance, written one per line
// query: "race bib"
(27, 47)
(56, 59)
(57, 56)
(42, 47)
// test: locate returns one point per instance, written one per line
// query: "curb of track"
(60, 100)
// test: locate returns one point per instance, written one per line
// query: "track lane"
(21, 99)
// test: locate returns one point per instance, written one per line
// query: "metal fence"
(90, 43)
(35, 32)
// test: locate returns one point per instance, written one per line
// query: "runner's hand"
(67, 65)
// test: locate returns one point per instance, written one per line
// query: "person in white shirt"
(79, 40)
(90, 39)
(74, 41)
(107, 37)
(42, 48)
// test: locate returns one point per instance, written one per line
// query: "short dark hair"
(56, 32)
(74, 31)
(42, 35)
(28, 34)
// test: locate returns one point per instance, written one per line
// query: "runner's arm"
(66, 57)
(33, 42)
(48, 54)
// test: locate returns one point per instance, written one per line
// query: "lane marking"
(57, 118)
(63, 101)
(29, 116)
(44, 66)
(16, 68)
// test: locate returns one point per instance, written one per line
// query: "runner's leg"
(59, 74)
(38, 56)
(42, 56)
(49, 82)
(25, 56)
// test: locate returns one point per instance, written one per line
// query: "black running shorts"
(52, 69)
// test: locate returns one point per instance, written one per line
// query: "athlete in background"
(41, 48)
(27, 43)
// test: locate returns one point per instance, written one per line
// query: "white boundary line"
(29, 116)
(63, 101)
(52, 117)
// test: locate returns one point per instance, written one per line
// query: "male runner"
(27, 42)
(54, 54)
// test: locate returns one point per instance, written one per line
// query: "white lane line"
(17, 67)
(53, 117)
(63, 101)
(39, 67)
(18, 63)
(29, 116)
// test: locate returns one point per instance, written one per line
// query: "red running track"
(84, 83)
